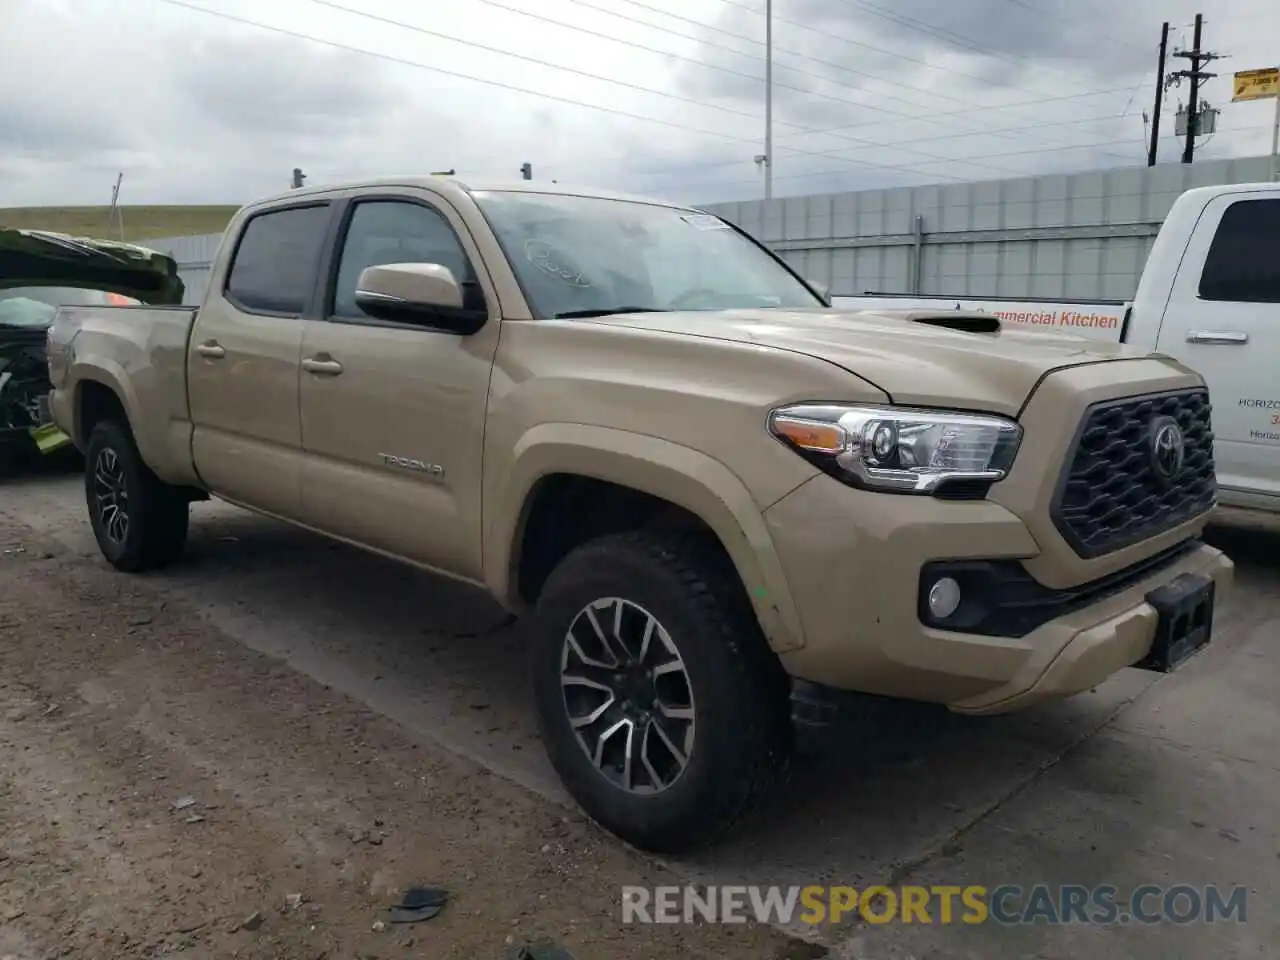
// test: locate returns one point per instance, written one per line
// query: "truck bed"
(150, 345)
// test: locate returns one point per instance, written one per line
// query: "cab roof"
(459, 187)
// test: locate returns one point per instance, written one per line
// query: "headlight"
(900, 449)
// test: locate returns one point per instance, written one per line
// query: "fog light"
(944, 598)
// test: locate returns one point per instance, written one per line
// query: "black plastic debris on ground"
(418, 904)
(539, 951)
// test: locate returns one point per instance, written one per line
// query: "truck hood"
(35, 258)
(915, 357)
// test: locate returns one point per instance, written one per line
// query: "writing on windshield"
(587, 256)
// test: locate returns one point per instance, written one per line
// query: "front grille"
(1111, 495)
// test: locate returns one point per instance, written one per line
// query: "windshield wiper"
(586, 314)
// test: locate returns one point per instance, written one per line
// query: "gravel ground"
(165, 791)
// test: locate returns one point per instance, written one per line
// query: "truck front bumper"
(854, 563)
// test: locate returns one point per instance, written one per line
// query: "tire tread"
(710, 585)
(159, 510)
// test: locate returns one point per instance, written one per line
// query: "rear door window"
(1244, 260)
(274, 270)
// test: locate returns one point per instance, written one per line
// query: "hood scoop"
(966, 321)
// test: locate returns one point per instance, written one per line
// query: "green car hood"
(35, 258)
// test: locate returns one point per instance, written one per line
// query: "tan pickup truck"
(714, 494)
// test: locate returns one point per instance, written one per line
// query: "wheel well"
(567, 510)
(94, 404)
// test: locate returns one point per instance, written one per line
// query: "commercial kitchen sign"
(1257, 84)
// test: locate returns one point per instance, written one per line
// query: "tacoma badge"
(408, 463)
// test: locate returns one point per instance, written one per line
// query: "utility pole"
(768, 99)
(1155, 116)
(116, 214)
(1275, 143)
(1193, 102)
(1198, 58)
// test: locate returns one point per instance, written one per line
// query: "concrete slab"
(1127, 810)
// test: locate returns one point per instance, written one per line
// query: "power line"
(932, 94)
(509, 86)
(890, 144)
(233, 18)
(1053, 16)
(692, 61)
(1015, 153)
(610, 110)
(426, 31)
(908, 166)
(698, 165)
(716, 67)
(537, 61)
(332, 4)
(1020, 103)
(922, 26)
(857, 43)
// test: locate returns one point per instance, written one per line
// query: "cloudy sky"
(657, 96)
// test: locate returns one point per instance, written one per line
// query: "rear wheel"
(661, 706)
(139, 521)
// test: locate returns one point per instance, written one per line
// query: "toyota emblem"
(1168, 448)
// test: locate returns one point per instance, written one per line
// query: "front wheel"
(661, 706)
(139, 521)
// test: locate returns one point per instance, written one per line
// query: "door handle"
(1218, 336)
(322, 368)
(211, 350)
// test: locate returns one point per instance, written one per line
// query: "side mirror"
(426, 294)
(822, 290)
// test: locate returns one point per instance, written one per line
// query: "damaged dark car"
(40, 272)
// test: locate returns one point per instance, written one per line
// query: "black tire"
(741, 743)
(156, 515)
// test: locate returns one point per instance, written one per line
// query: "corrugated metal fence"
(195, 260)
(1084, 235)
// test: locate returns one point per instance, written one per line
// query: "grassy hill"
(140, 222)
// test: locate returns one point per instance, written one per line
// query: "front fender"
(675, 473)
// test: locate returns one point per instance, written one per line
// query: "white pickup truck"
(1210, 297)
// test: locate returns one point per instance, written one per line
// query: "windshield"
(33, 307)
(580, 256)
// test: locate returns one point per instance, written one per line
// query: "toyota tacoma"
(713, 493)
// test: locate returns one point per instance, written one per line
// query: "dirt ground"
(345, 727)
(166, 792)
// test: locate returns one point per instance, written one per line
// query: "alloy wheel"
(628, 696)
(111, 496)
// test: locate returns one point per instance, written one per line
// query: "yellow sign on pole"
(1257, 84)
